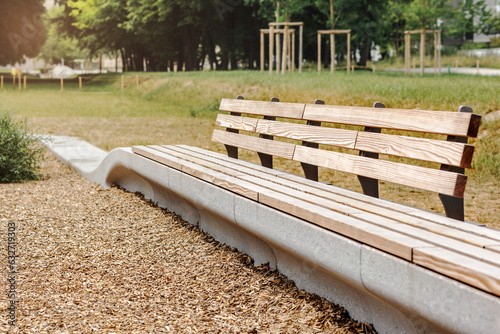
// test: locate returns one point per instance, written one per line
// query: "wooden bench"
(465, 252)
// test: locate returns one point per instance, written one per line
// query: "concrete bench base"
(394, 295)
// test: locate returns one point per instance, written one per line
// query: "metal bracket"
(266, 159)
(232, 151)
(454, 206)
(311, 171)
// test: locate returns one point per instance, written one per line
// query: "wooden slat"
(443, 182)
(272, 147)
(440, 151)
(303, 132)
(385, 207)
(237, 122)
(282, 109)
(441, 122)
(436, 239)
(460, 267)
(342, 204)
(375, 236)
(241, 187)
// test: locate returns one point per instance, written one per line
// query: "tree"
(22, 32)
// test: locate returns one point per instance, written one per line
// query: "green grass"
(173, 108)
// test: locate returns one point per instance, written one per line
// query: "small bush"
(20, 153)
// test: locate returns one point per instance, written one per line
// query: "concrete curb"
(394, 295)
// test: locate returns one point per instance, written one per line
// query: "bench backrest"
(454, 154)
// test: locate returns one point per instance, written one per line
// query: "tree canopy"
(222, 33)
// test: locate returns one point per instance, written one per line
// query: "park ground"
(180, 108)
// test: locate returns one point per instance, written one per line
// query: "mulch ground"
(104, 260)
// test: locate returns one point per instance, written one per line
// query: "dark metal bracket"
(232, 151)
(454, 206)
(266, 159)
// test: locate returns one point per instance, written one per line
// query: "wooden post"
(348, 51)
(439, 52)
(271, 48)
(406, 53)
(62, 85)
(319, 52)
(80, 82)
(352, 68)
(123, 83)
(332, 53)
(24, 83)
(289, 47)
(301, 44)
(285, 51)
(293, 52)
(262, 51)
(422, 53)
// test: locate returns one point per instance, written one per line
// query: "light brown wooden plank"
(430, 237)
(148, 153)
(440, 151)
(441, 122)
(224, 181)
(462, 268)
(443, 182)
(272, 147)
(313, 134)
(437, 223)
(281, 109)
(237, 122)
(375, 236)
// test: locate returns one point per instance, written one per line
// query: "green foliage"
(20, 156)
(22, 32)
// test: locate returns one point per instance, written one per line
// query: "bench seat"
(466, 252)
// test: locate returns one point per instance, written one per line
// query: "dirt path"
(100, 260)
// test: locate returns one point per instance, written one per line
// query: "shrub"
(20, 152)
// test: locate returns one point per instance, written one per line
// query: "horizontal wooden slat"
(471, 233)
(241, 187)
(272, 147)
(440, 122)
(390, 241)
(236, 122)
(281, 109)
(440, 151)
(443, 182)
(313, 134)
(460, 267)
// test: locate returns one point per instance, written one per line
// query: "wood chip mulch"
(105, 260)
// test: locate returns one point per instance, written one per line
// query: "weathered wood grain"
(272, 147)
(392, 242)
(460, 267)
(443, 182)
(440, 151)
(309, 133)
(440, 122)
(241, 187)
(282, 109)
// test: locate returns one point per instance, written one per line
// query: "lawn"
(180, 108)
